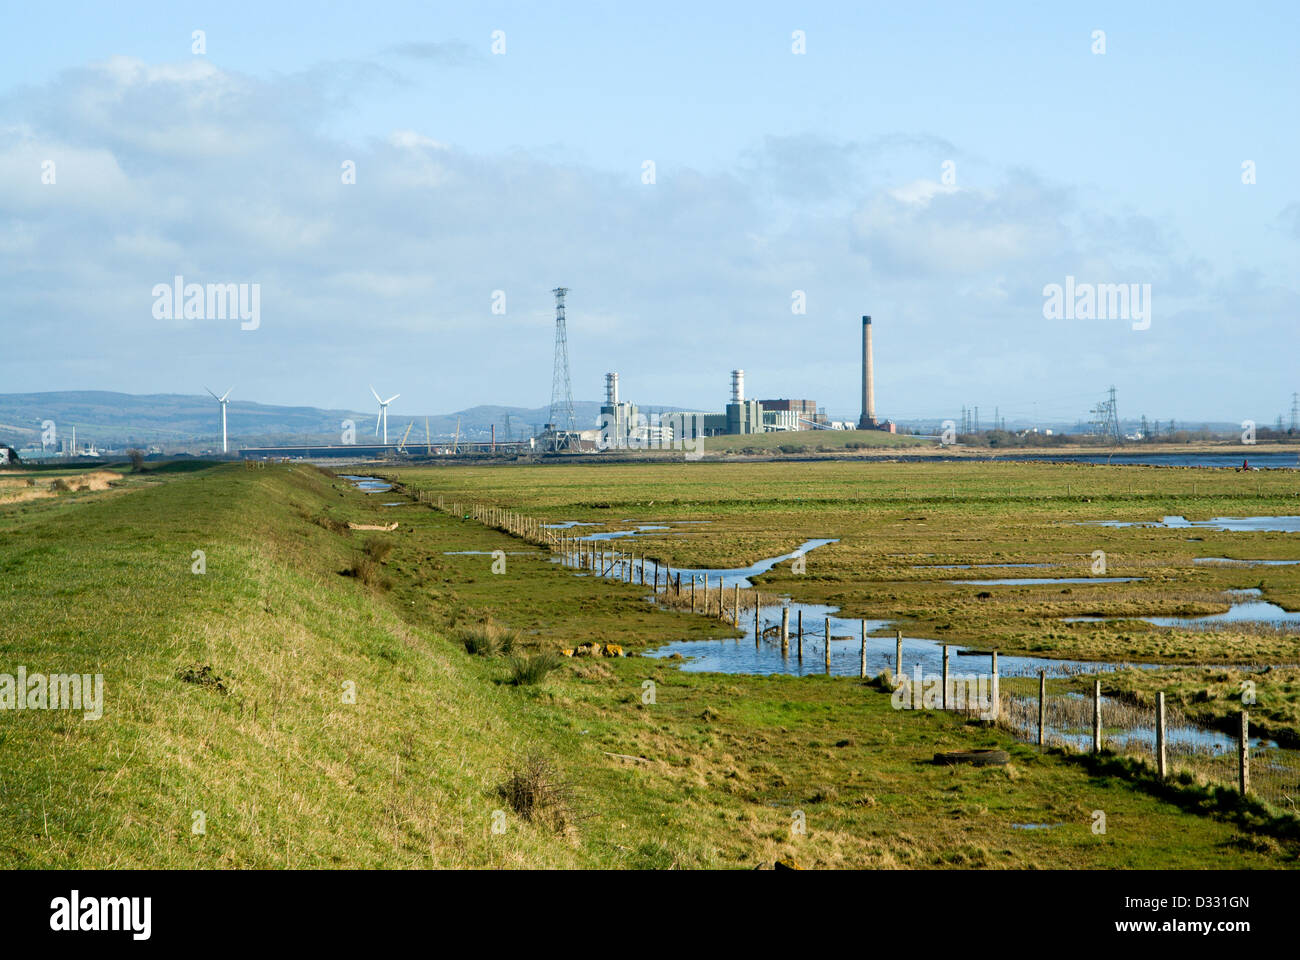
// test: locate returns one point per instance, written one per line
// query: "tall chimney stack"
(868, 420)
(737, 386)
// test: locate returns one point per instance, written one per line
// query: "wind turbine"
(222, 400)
(383, 413)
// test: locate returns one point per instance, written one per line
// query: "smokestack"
(868, 420)
(737, 386)
(611, 388)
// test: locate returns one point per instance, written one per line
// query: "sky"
(718, 185)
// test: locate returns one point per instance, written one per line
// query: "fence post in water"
(828, 644)
(1243, 752)
(656, 576)
(862, 669)
(997, 688)
(692, 592)
(1042, 707)
(1096, 716)
(1161, 769)
(735, 606)
(898, 652)
(785, 630)
(945, 676)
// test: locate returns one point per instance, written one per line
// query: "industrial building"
(743, 416)
(792, 415)
(620, 422)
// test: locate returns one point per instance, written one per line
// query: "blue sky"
(775, 172)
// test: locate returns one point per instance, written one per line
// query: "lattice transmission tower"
(1105, 418)
(563, 425)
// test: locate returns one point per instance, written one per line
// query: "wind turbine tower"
(383, 413)
(222, 400)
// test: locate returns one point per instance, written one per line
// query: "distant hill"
(179, 421)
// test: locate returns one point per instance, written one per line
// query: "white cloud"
(190, 169)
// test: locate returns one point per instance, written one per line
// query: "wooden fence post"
(692, 593)
(735, 605)
(862, 668)
(1161, 769)
(785, 630)
(1243, 752)
(800, 631)
(828, 644)
(997, 688)
(1096, 716)
(945, 676)
(1042, 707)
(758, 605)
(898, 652)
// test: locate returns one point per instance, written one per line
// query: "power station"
(622, 424)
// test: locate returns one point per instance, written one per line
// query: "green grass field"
(227, 692)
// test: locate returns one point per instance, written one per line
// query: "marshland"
(387, 699)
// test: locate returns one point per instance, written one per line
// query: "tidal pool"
(1223, 524)
(367, 484)
(1033, 581)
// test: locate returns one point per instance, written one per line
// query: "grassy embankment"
(288, 774)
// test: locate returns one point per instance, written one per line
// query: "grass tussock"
(488, 639)
(367, 566)
(536, 790)
(530, 670)
(366, 570)
(378, 549)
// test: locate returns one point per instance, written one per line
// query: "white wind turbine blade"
(391, 399)
(372, 390)
(211, 394)
(223, 397)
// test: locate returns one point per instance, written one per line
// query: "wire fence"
(1177, 748)
(1160, 735)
